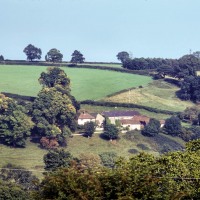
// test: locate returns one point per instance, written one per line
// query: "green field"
(158, 94)
(85, 83)
(103, 65)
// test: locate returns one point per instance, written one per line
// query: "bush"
(133, 151)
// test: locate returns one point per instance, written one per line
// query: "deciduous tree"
(77, 57)
(15, 125)
(123, 56)
(111, 131)
(54, 55)
(173, 126)
(32, 52)
(89, 128)
(55, 159)
(152, 128)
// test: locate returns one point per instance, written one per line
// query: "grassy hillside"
(127, 145)
(158, 94)
(85, 83)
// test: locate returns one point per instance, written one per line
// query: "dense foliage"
(111, 131)
(123, 56)
(152, 128)
(54, 55)
(15, 125)
(1, 58)
(54, 110)
(55, 159)
(170, 176)
(190, 89)
(32, 52)
(89, 128)
(20, 176)
(77, 57)
(173, 126)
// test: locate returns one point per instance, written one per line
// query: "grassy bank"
(158, 94)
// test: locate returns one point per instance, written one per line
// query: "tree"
(55, 159)
(15, 125)
(11, 191)
(77, 57)
(197, 54)
(32, 52)
(20, 176)
(108, 159)
(89, 128)
(152, 128)
(1, 58)
(89, 161)
(111, 131)
(123, 56)
(53, 111)
(54, 55)
(57, 78)
(173, 126)
(190, 88)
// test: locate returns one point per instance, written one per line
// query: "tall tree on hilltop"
(54, 111)
(77, 57)
(123, 56)
(32, 52)
(1, 58)
(54, 55)
(57, 78)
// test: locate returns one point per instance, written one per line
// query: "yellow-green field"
(158, 94)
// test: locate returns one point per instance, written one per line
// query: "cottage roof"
(119, 113)
(85, 116)
(142, 118)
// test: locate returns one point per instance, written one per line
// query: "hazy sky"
(100, 28)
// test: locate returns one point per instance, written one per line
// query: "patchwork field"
(85, 83)
(157, 94)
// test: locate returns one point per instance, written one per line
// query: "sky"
(99, 29)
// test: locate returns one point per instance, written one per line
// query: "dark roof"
(94, 114)
(118, 113)
(129, 121)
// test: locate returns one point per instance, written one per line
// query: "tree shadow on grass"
(103, 137)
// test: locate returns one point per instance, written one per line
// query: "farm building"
(85, 117)
(138, 122)
(117, 115)
(90, 117)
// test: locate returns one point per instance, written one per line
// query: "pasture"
(157, 94)
(85, 83)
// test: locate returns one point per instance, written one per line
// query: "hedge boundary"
(98, 103)
(65, 64)
(127, 105)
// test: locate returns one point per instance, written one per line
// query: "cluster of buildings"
(131, 119)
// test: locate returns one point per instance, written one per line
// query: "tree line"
(53, 55)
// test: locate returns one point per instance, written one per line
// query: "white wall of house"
(99, 119)
(112, 119)
(132, 126)
(83, 121)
